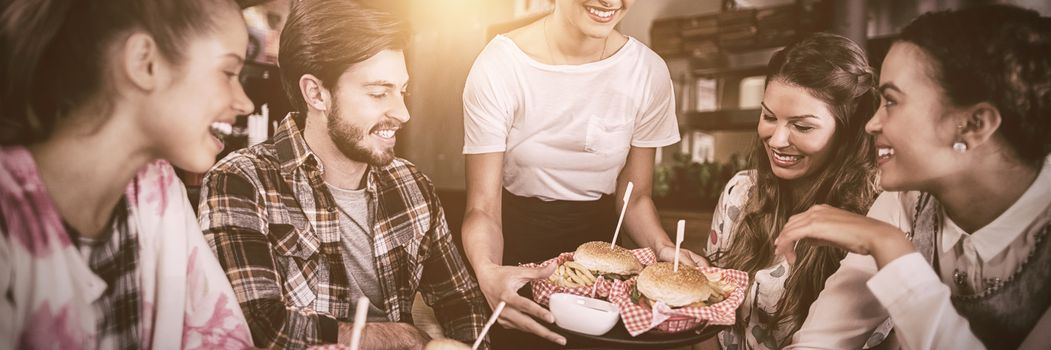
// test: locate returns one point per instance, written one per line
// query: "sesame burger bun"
(599, 257)
(446, 344)
(659, 282)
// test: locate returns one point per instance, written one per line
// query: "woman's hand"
(667, 253)
(852, 232)
(501, 283)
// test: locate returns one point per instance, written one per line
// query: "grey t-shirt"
(357, 249)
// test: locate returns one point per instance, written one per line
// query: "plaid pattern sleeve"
(447, 285)
(235, 222)
(274, 225)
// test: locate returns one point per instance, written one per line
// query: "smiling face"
(201, 91)
(369, 108)
(593, 18)
(796, 130)
(914, 128)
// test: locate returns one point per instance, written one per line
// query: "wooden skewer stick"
(627, 195)
(492, 319)
(359, 322)
(679, 230)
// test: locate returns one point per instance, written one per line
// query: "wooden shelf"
(728, 119)
(737, 64)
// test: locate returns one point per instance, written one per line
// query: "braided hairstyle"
(834, 70)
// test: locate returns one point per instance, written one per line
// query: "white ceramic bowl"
(582, 314)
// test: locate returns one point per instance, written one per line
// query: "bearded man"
(323, 213)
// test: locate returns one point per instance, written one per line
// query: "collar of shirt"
(294, 153)
(991, 240)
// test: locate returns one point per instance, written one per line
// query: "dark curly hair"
(833, 69)
(998, 54)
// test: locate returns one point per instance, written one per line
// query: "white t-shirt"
(565, 130)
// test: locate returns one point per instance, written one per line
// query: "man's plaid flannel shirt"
(267, 213)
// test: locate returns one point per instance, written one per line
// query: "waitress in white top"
(963, 137)
(560, 115)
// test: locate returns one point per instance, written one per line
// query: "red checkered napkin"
(542, 288)
(664, 319)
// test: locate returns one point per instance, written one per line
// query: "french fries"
(721, 288)
(572, 275)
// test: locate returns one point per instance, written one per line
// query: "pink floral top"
(47, 288)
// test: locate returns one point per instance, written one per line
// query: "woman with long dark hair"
(957, 253)
(100, 247)
(811, 149)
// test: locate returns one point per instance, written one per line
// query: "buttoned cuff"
(901, 280)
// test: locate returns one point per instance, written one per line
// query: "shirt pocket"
(402, 246)
(296, 254)
(609, 134)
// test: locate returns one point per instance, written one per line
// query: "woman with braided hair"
(811, 149)
(958, 255)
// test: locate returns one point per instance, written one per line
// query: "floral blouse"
(766, 287)
(49, 291)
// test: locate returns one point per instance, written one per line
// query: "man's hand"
(385, 335)
(501, 283)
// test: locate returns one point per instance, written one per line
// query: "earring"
(959, 146)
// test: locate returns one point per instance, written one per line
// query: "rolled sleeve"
(658, 126)
(487, 114)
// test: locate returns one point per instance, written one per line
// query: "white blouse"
(858, 297)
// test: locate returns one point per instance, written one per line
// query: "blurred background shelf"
(727, 119)
(724, 72)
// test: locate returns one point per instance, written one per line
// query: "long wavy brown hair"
(833, 69)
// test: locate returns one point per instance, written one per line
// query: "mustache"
(386, 124)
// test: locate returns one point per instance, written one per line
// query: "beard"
(350, 140)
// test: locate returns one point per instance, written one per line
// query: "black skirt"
(536, 230)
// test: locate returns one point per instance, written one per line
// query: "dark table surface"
(618, 338)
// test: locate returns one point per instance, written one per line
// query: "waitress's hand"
(501, 283)
(667, 253)
(852, 232)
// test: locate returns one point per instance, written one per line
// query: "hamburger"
(446, 344)
(689, 287)
(592, 260)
